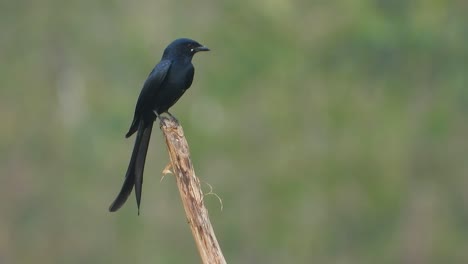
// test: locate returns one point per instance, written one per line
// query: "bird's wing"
(152, 85)
(154, 82)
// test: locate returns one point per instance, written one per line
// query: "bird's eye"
(190, 46)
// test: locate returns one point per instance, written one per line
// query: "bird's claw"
(171, 115)
(173, 118)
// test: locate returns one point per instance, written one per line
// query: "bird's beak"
(201, 48)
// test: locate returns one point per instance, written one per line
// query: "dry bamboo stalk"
(190, 192)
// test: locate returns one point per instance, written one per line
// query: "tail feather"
(140, 162)
(134, 175)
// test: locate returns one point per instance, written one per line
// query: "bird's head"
(184, 47)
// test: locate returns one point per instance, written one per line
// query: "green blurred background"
(333, 131)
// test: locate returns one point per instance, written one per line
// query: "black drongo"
(166, 83)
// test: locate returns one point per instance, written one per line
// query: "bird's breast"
(181, 76)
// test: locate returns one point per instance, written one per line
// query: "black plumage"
(166, 83)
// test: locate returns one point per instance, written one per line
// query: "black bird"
(166, 83)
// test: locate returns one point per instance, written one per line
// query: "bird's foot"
(173, 117)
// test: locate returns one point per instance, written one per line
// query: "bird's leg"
(156, 113)
(158, 117)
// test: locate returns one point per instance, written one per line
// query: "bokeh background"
(333, 131)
